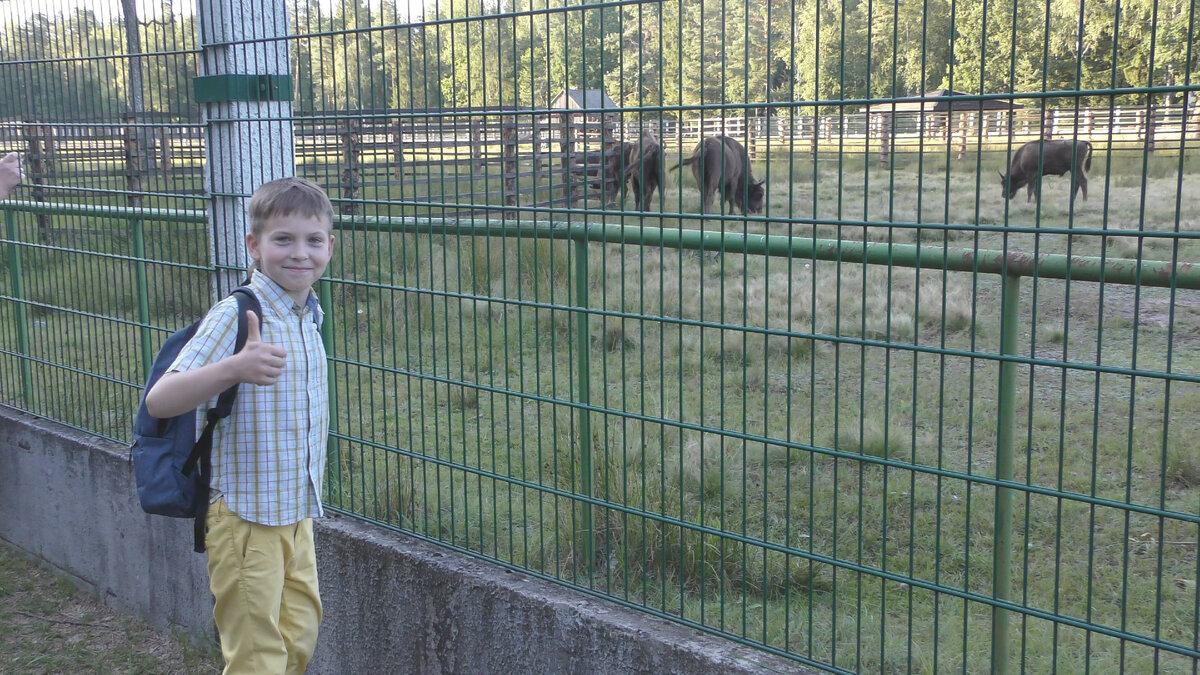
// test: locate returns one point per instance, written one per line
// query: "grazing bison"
(722, 161)
(637, 163)
(1057, 158)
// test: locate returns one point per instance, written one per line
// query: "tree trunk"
(137, 106)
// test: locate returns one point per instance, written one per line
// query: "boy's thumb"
(252, 332)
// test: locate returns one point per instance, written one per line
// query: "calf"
(637, 163)
(1056, 159)
(720, 161)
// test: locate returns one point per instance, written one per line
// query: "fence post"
(1005, 438)
(164, 155)
(351, 161)
(1150, 132)
(250, 139)
(564, 147)
(476, 144)
(325, 298)
(536, 135)
(508, 140)
(812, 139)
(962, 133)
(608, 134)
(885, 139)
(17, 278)
(50, 151)
(751, 139)
(398, 161)
(583, 350)
(133, 162)
(41, 167)
(142, 291)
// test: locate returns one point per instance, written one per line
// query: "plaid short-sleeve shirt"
(269, 454)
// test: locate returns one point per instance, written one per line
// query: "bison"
(637, 163)
(1057, 158)
(722, 161)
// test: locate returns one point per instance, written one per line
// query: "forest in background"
(773, 57)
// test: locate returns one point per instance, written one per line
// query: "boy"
(268, 457)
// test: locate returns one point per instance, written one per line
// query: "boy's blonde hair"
(286, 197)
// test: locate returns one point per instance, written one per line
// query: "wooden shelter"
(584, 132)
(935, 114)
(585, 123)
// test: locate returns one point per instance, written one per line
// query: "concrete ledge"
(393, 603)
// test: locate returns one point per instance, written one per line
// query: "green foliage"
(70, 66)
(521, 53)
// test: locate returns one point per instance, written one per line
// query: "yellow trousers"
(264, 579)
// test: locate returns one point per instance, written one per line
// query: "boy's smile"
(293, 251)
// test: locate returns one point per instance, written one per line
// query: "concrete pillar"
(249, 138)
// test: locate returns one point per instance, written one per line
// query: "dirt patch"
(47, 625)
(1153, 308)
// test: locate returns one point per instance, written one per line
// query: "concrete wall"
(393, 604)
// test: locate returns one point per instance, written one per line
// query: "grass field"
(787, 450)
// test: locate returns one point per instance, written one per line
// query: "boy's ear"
(252, 245)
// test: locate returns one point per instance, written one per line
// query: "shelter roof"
(943, 100)
(576, 99)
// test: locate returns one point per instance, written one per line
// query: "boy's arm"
(258, 363)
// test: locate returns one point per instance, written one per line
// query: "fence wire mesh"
(869, 414)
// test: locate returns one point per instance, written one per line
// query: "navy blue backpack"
(171, 467)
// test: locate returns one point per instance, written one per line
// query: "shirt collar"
(272, 294)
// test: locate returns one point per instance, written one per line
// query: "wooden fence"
(541, 160)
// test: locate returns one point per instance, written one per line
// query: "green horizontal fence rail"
(892, 421)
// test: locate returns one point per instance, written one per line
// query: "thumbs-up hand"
(260, 363)
(10, 173)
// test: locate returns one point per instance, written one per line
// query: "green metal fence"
(893, 421)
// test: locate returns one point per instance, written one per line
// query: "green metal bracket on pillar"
(212, 88)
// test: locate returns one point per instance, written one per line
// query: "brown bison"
(720, 161)
(1056, 159)
(639, 164)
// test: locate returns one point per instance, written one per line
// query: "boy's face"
(293, 250)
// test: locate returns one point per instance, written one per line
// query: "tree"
(553, 50)
(133, 47)
(355, 73)
(469, 50)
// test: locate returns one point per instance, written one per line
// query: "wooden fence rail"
(557, 152)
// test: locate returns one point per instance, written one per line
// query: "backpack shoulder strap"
(246, 300)
(202, 452)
